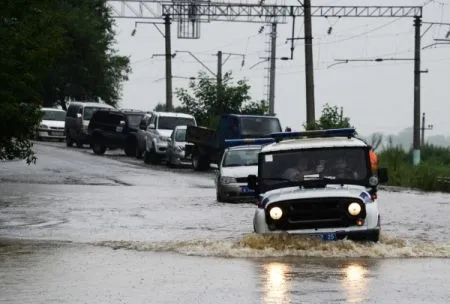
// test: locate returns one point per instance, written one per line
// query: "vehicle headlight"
(162, 138)
(227, 179)
(276, 213)
(373, 181)
(43, 126)
(354, 209)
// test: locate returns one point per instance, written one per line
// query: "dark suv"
(111, 128)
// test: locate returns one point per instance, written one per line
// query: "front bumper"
(51, 134)
(235, 192)
(161, 147)
(179, 158)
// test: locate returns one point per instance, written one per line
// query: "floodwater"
(80, 228)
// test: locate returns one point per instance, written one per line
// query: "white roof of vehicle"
(314, 143)
(245, 147)
(92, 104)
(173, 114)
(52, 109)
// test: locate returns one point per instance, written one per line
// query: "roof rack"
(248, 141)
(344, 132)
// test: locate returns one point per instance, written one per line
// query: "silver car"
(236, 165)
(176, 147)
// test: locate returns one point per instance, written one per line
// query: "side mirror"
(251, 181)
(78, 115)
(151, 126)
(382, 175)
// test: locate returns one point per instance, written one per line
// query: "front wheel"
(98, 149)
(199, 163)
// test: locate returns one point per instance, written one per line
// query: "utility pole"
(169, 104)
(417, 71)
(309, 70)
(219, 76)
(273, 50)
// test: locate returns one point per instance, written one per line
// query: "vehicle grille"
(314, 213)
(57, 128)
(241, 179)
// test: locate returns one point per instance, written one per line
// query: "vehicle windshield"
(259, 126)
(180, 135)
(241, 157)
(169, 123)
(289, 168)
(134, 120)
(89, 111)
(54, 115)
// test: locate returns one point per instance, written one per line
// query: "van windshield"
(134, 120)
(54, 115)
(259, 126)
(169, 123)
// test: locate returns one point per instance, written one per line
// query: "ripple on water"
(281, 245)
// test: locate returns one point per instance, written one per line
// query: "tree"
(330, 119)
(206, 105)
(88, 68)
(29, 44)
(161, 107)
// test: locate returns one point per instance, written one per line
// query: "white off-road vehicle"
(319, 184)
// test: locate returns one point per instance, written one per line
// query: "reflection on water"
(276, 287)
(355, 282)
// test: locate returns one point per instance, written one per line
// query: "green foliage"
(208, 101)
(331, 118)
(50, 50)
(88, 67)
(427, 176)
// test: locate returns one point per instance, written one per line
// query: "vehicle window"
(259, 126)
(89, 111)
(242, 157)
(54, 115)
(339, 164)
(134, 119)
(100, 116)
(169, 123)
(180, 135)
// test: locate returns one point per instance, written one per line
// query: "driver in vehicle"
(298, 172)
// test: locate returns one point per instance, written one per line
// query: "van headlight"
(42, 126)
(354, 209)
(276, 213)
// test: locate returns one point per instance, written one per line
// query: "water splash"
(282, 245)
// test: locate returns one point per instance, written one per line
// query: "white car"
(318, 184)
(52, 124)
(159, 131)
(236, 165)
(176, 147)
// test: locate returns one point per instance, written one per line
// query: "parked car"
(141, 134)
(77, 121)
(158, 132)
(112, 129)
(236, 165)
(318, 184)
(176, 147)
(52, 124)
(206, 146)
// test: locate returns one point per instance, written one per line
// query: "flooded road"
(79, 228)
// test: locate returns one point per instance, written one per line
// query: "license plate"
(245, 189)
(329, 236)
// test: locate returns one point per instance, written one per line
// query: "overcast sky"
(378, 97)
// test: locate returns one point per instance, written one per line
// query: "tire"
(154, 157)
(199, 163)
(219, 198)
(98, 148)
(138, 153)
(147, 157)
(69, 141)
(130, 148)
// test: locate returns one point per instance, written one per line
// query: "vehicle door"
(140, 135)
(151, 131)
